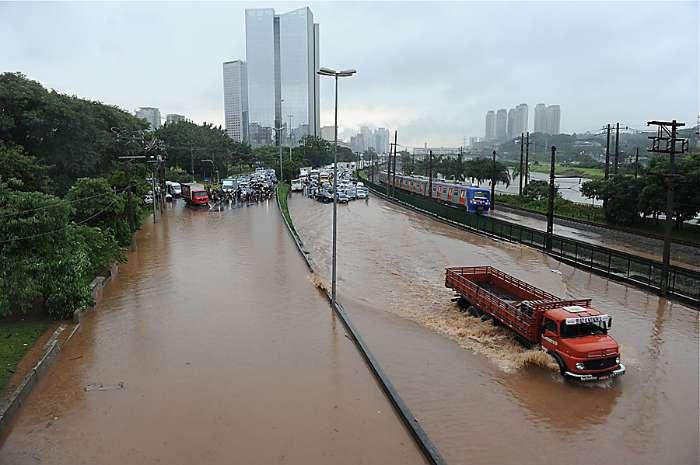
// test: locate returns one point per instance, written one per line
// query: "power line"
(60, 229)
(55, 204)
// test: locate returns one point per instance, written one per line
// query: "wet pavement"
(480, 397)
(211, 346)
(648, 247)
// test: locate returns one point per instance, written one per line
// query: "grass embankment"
(15, 339)
(568, 171)
(578, 211)
(282, 192)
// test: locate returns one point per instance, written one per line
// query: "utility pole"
(617, 146)
(520, 173)
(430, 175)
(192, 162)
(527, 157)
(607, 153)
(493, 182)
(550, 201)
(459, 162)
(393, 181)
(636, 163)
(665, 142)
(388, 171)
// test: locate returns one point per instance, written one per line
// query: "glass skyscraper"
(282, 59)
(236, 100)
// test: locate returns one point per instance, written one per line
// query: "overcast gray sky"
(430, 70)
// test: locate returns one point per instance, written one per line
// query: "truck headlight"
(579, 366)
(617, 359)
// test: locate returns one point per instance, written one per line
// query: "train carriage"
(475, 199)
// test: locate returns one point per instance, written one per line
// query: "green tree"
(539, 190)
(22, 171)
(95, 203)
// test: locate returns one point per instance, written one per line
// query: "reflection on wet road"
(479, 396)
(226, 352)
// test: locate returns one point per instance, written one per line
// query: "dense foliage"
(628, 199)
(54, 145)
(476, 170)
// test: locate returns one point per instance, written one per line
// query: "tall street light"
(336, 75)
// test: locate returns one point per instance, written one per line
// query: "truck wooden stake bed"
(572, 332)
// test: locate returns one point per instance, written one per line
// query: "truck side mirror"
(610, 323)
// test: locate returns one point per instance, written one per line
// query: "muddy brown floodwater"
(226, 352)
(480, 397)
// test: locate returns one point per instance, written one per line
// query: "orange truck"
(572, 332)
(194, 194)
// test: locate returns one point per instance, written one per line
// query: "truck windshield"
(583, 329)
(199, 194)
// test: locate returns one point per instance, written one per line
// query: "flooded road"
(211, 346)
(482, 398)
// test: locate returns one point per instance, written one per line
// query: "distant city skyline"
(508, 124)
(597, 70)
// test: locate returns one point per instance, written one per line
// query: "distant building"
(449, 151)
(490, 132)
(328, 133)
(521, 112)
(381, 138)
(475, 141)
(553, 119)
(540, 118)
(512, 123)
(151, 115)
(282, 58)
(172, 118)
(236, 100)
(501, 124)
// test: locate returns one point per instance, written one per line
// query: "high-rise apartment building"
(151, 115)
(540, 118)
(512, 123)
(236, 100)
(490, 132)
(501, 124)
(172, 118)
(522, 119)
(282, 58)
(553, 119)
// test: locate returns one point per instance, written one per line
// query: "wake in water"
(498, 344)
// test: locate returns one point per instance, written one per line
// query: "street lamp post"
(336, 75)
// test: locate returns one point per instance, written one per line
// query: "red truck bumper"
(597, 376)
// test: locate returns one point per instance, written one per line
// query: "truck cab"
(577, 337)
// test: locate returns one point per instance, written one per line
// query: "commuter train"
(475, 199)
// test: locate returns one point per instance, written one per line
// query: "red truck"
(572, 332)
(194, 194)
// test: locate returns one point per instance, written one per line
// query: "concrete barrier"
(426, 446)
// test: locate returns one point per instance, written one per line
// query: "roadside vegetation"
(17, 337)
(282, 193)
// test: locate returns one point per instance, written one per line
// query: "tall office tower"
(553, 119)
(501, 124)
(382, 138)
(367, 139)
(522, 119)
(490, 133)
(282, 58)
(172, 118)
(512, 123)
(540, 118)
(236, 100)
(151, 115)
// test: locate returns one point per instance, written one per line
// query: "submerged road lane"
(227, 354)
(482, 398)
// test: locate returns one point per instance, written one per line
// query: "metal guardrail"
(684, 284)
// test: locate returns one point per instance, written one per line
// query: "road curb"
(426, 446)
(52, 347)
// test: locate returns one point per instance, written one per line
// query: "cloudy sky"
(430, 70)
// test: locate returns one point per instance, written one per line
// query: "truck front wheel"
(473, 311)
(560, 362)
